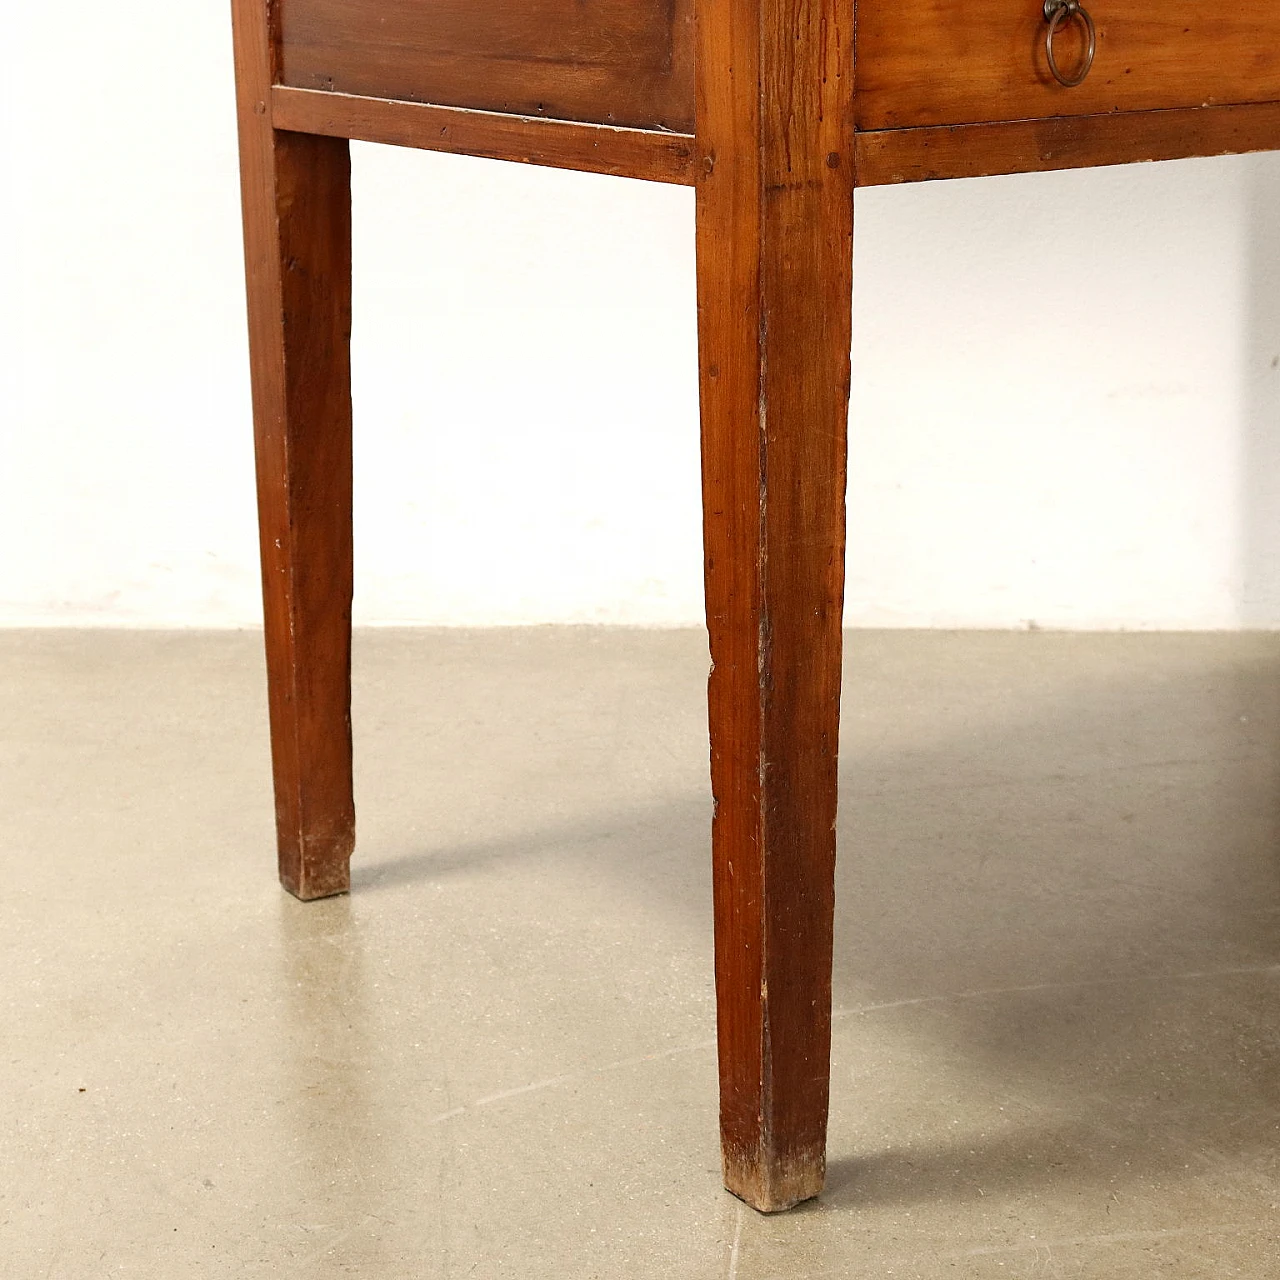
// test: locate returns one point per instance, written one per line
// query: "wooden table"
(774, 110)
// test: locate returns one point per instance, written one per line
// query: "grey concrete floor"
(1057, 983)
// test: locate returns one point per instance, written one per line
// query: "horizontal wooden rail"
(1063, 142)
(884, 156)
(561, 144)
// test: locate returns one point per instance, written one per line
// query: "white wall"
(1066, 407)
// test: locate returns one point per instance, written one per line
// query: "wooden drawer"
(926, 62)
(625, 62)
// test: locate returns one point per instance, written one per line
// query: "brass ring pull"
(1057, 13)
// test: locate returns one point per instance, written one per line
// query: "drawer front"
(626, 62)
(926, 62)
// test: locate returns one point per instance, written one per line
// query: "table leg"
(775, 221)
(297, 222)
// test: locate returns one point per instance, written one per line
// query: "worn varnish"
(614, 86)
(561, 144)
(625, 62)
(297, 225)
(1064, 142)
(923, 62)
(774, 228)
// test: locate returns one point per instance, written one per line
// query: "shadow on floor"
(1059, 902)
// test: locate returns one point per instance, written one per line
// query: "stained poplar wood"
(563, 144)
(774, 228)
(923, 62)
(297, 226)
(626, 62)
(1065, 142)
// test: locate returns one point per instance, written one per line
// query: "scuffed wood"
(609, 86)
(1065, 142)
(296, 198)
(563, 144)
(774, 210)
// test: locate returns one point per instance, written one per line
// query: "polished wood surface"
(626, 62)
(774, 228)
(296, 192)
(923, 62)
(1064, 142)
(562, 144)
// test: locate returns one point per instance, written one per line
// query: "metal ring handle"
(1058, 13)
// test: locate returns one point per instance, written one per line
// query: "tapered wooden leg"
(297, 222)
(775, 222)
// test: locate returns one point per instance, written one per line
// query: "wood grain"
(924, 62)
(774, 228)
(563, 144)
(1067, 142)
(625, 62)
(296, 198)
